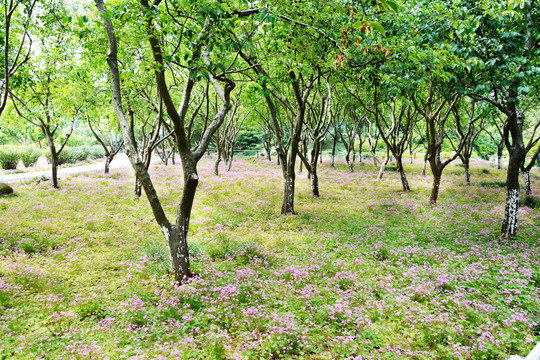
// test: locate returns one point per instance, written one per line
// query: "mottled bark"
(287, 206)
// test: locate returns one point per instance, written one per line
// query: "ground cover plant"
(366, 271)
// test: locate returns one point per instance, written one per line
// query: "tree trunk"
(527, 180)
(137, 190)
(436, 185)
(54, 162)
(402, 174)
(499, 157)
(334, 143)
(268, 151)
(425, 164)
(313, 171)
(229, 162)
(510, 222)
(108, 160)
(178, 244)
(382, 167)
(216, 165)
(288, 195)
(466, 167)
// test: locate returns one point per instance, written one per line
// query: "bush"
(70, 155)
(29, 155)
(531, 202)
(9, 157)
(95, 152)
(79, 153)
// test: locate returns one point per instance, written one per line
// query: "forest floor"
(364, 272)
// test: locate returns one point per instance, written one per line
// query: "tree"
(505, 42)
(435, 110)
(317, 124)
(212, 26)
(17, 15)
(467, 137)
(395, 120)
(49, 100)
(107, 139)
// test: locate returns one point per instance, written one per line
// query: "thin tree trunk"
(334, 143)
(527, 180)
(383, 166)
(402, 174)
(216, 163)
(54, 162)
(499, 157)
(229, 162)
(425, 164)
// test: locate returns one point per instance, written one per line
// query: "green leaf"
(357, 25)
(393, 5)
(378, 27)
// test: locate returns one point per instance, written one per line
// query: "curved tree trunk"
(402, 174)
(383, 166)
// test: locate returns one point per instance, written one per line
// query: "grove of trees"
(441, 78)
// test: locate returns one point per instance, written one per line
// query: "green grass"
(365, 270)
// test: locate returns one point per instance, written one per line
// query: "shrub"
(79, 153)
(9, 157)
(69, 155)
(29, 155)
(531, 202)
(95, 152)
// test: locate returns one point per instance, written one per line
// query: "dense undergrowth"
(364, 272)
